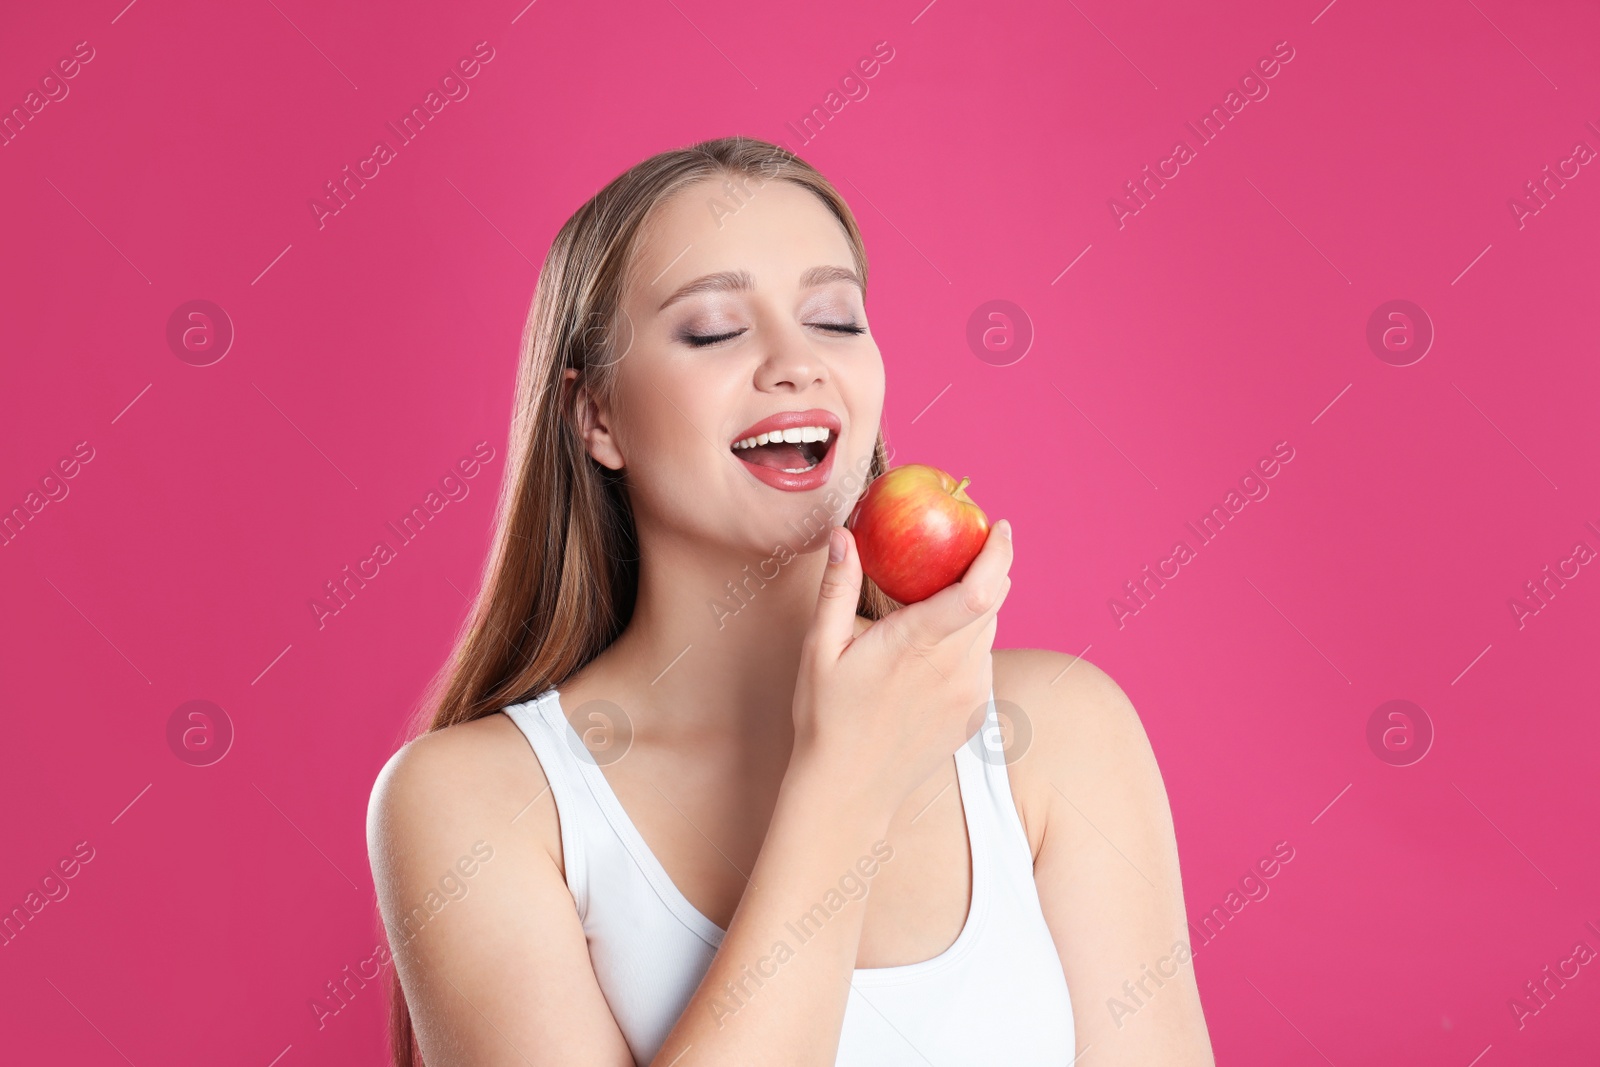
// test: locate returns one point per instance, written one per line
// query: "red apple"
(917, 531)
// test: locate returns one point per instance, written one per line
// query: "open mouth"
(795, 450)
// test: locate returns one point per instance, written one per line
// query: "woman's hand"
(876, 713)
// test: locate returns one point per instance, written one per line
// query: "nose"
(790, 362)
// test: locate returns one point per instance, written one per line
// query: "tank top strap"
(547, 730)
(984, 759)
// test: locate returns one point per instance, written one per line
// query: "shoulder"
(469, 764)
(1076, 732)
(1065, 698)
(1049, 674)
(456, 781)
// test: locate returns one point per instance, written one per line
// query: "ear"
(593, 420)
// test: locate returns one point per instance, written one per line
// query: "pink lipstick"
(792, 450)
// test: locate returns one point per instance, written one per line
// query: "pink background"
(1229, 314)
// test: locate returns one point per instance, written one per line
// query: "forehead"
(776, 230)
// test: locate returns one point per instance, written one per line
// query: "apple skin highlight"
(917, 531)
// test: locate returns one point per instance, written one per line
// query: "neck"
(713, 644)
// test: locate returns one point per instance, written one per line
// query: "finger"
(984, 630)
(993, 610)
(995, 557)
(834, 622)
(959, 605)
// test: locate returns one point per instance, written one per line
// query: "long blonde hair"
(562, 572)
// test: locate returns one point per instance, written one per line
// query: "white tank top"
(996, 996)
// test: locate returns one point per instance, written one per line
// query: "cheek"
(879, 374)
(863, 384)
(671, 414)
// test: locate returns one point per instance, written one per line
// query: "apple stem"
(964, 483)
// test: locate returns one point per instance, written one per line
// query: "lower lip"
(815, 478)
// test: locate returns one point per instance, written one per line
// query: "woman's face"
(743, 322)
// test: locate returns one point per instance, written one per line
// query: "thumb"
(833, 626)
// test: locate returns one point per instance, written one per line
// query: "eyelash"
(703, 340)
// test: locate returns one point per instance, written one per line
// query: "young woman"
(693, 791)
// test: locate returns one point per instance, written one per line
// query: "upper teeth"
(793, 435)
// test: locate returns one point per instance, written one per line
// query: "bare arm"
(494, 964)
(1107, 869)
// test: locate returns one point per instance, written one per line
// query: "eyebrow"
(742, 281)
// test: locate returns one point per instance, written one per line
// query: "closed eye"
(701, 340)
(704, 340)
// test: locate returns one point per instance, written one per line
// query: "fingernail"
(836, 545)
(1004, 526)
